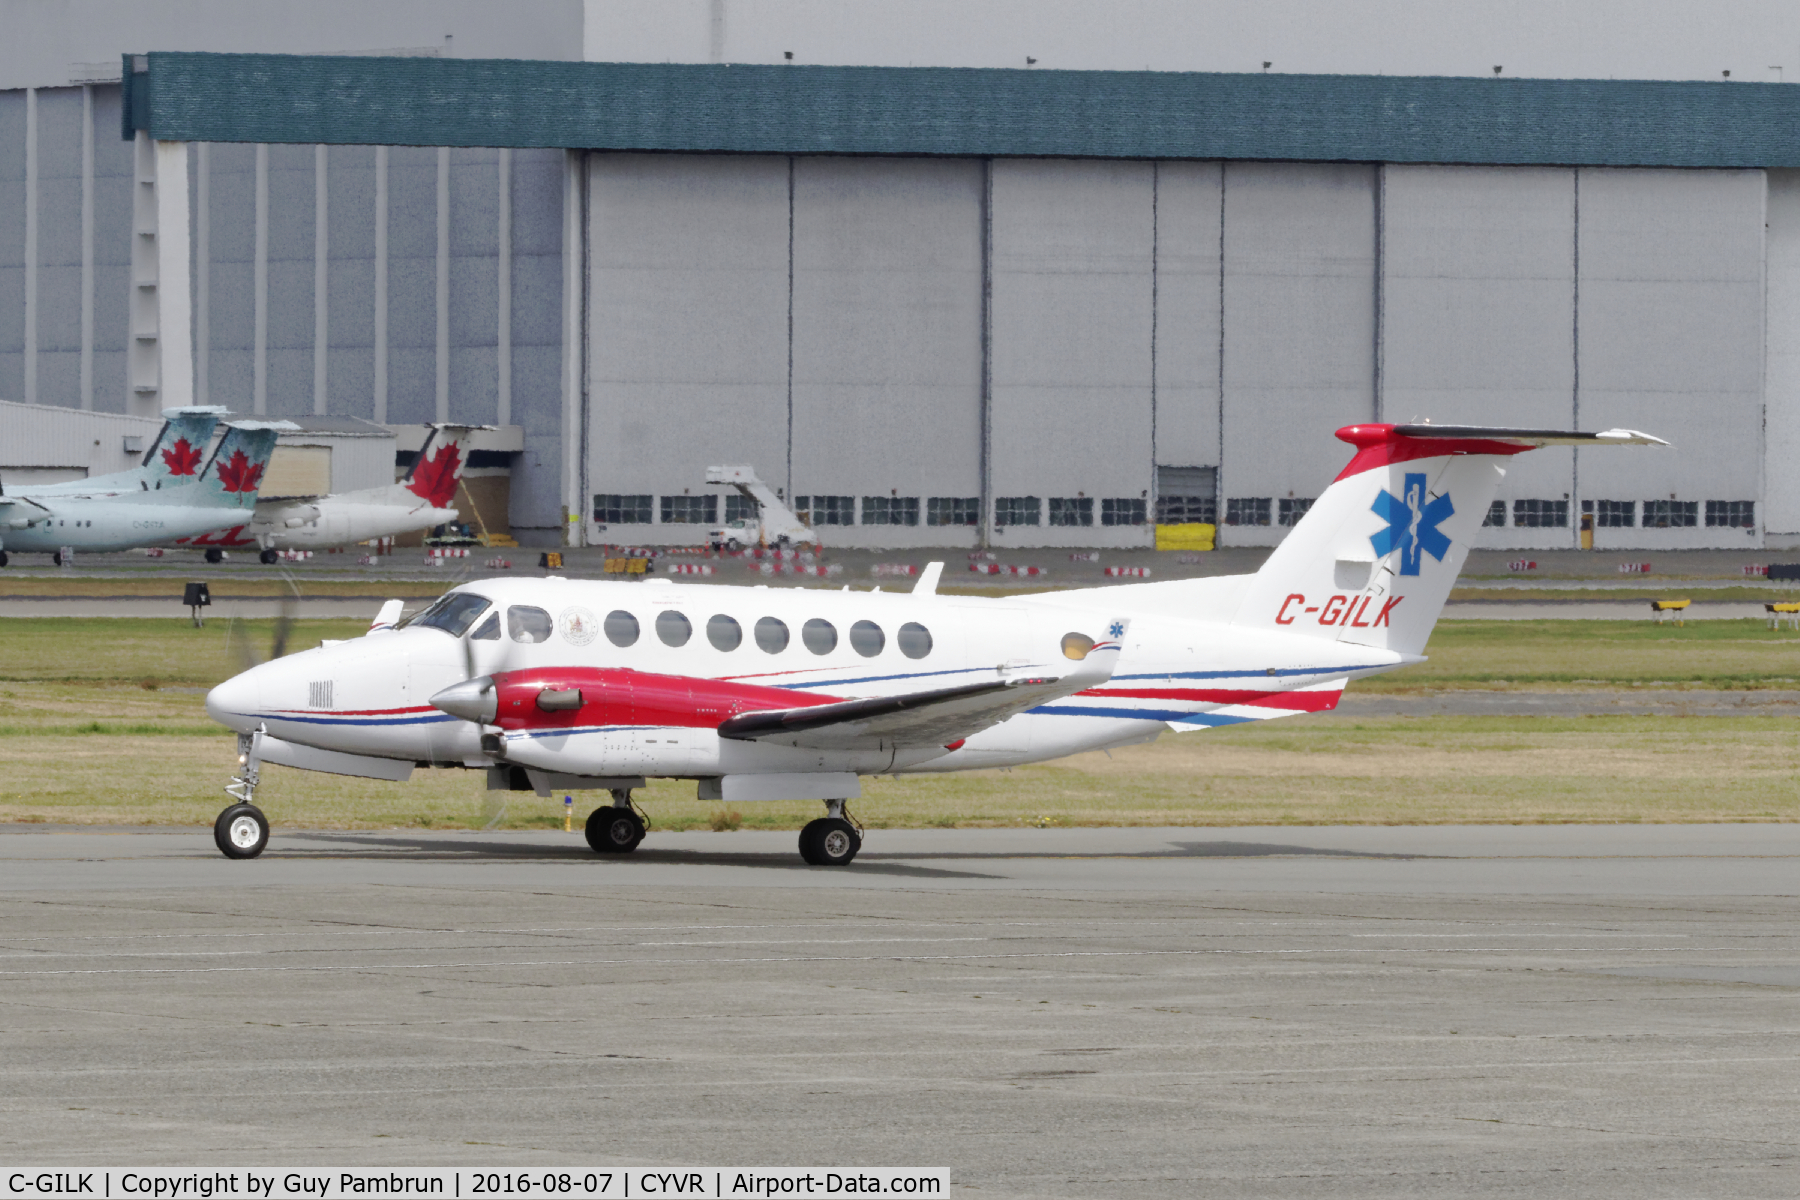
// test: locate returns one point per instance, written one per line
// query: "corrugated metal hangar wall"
(934, 350)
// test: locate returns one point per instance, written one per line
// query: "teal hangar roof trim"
(958, 111)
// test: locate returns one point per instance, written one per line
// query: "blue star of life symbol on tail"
(1412, 524)
(1116, 629)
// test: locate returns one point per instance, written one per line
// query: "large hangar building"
(936, 307)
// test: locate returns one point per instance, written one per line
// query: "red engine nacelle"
(575, 697)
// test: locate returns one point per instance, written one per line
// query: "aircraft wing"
(939, 717)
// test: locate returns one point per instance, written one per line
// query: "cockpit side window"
(527, 624)
(488, 630)
(453, 613)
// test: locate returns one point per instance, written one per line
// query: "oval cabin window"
(914, 640)
(724, 632)
(820, 636)
(771, 635)
(673, 628)
(621, 628)
(867, 639)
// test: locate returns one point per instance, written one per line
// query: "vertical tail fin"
(175, 457)
(1373, 561)
(235, 473)
(440, 464)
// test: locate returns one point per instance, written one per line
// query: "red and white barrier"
(998, 569)
(1634, 568)
(1127, 572)
(813, 570)
(1190, 560)
(294, 555)
(881, 570)
(153, 551)
(437, 554)
(380, 545)
(1756, 569)
(1085, 556)
(982, 556)
(499, 564)
(690, 568)
(368, 560)
(1522, 564)
(630, 551)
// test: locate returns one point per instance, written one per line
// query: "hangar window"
(1077, 510)
(621, 628)
(1247, 510)
(1671, 514)
(890, 510)
(771, 635)
(1290, 511)
(673, 628)
(953, 510)
(819, 635)
(690, 510)
(615, 509)
(1496, 514)
(914, 640)
(1187, 510)
(826, 510)
(724, 632)
(527, 624)
(1615, 514)
(1541, 514)
(453, 613)
(1124, 511)
(867, 639)
(489, 630)
(740, 508)
(1017, 510)
(1733, 514)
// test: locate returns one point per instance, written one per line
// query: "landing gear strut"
(616, 828)
(241, 830)
(831, 841)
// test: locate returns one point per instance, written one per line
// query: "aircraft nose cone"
(235, 702)
(472, 700)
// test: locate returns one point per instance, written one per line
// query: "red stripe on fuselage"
(1299, 701)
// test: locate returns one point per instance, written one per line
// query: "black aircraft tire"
(829, 842)
(214, 554)
(241, 831)
(3, 558)
(269, 556)
(56, 557)
(612, 830)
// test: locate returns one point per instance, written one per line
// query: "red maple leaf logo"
(434, 480)
(240, 474)
(181, 458)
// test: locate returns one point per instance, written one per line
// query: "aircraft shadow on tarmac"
(391, 847)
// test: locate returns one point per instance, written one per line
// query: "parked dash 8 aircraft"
(169, 495)
(795, 694)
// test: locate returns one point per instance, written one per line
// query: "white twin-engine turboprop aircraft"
(794, 694)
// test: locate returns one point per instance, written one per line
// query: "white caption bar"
(700, 1183)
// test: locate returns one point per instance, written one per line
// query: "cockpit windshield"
(453, 613)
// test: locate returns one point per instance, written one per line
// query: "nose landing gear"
(833, 840)
(616, 828)
(241, 830)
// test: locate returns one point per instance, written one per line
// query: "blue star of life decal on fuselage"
(1412, 524)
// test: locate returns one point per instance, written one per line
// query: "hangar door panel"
(1671, 320)
(1478, 315)
(688, 305)
(1187, 313)
(887, 336)
(1782, 449)
(1071, 319)
(1299, 340)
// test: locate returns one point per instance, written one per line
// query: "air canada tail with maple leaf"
(1373, 561)
(439, 466)
(233, 476)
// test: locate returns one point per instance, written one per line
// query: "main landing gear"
(616, 828)
(831, 841)
(241, 830)
(269, 556)
(214, 554)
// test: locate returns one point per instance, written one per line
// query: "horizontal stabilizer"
(1531, 437)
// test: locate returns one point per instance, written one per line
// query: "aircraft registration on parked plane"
(796, 694)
